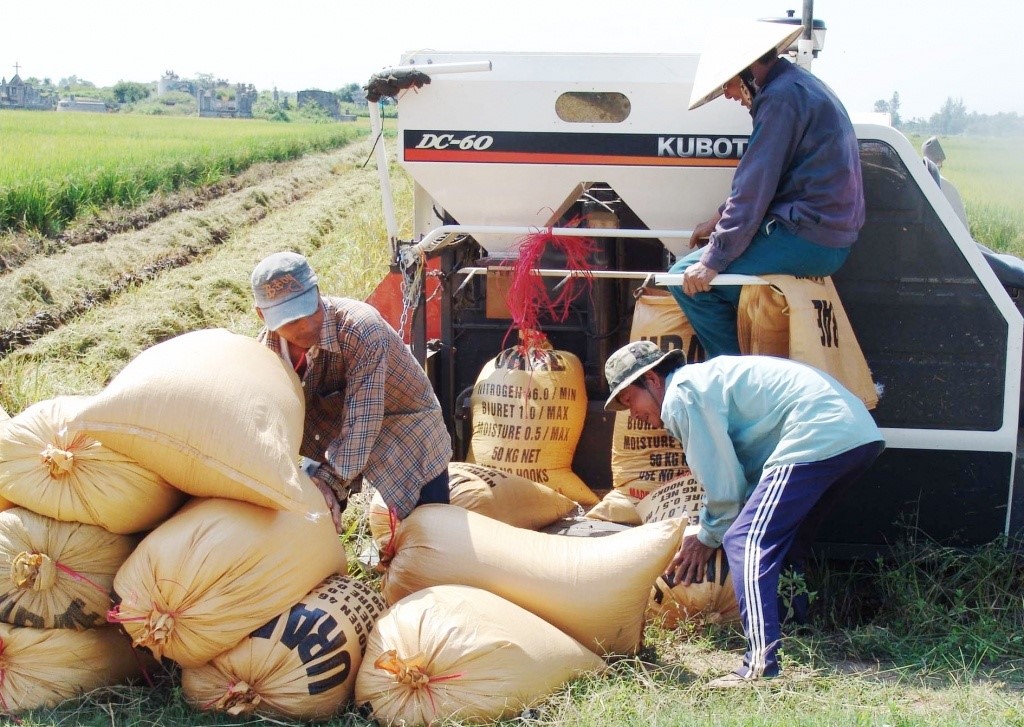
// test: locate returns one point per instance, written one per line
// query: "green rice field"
(59, 166)
(989, 174)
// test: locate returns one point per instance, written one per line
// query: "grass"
(904, 655)
(989, 174)
(927, 635)
(60, 166)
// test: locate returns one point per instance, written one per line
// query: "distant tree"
(951, 118)
(314, 112)
(894, 109)
(130, 91)
(891, 107)
(205, 80)
(352, 93)
(266, 108)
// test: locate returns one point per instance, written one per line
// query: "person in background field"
(370, 409)
(797, 200)
(935, 156)
(1009, 269)
(933, 151)
(775, 443)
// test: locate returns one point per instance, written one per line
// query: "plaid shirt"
(370, 409)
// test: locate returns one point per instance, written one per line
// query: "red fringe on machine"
(528, 296)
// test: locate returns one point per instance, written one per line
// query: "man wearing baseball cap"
(370, 409)
(797, 200)
(775, 443)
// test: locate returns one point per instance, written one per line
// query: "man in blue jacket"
(797, 201)
(774, 442)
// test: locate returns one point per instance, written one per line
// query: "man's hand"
(703, 231)
(332, 502)
(697, 279)
(689, 563)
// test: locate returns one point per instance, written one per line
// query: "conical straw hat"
(741, 45)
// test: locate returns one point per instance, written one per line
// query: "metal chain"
(411, 262)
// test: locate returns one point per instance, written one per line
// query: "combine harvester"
(501, 145)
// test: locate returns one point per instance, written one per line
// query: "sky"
(925, 51)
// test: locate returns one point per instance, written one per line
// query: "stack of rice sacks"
(218, 534)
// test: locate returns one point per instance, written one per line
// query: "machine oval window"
(592, 107)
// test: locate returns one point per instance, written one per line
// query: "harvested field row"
(47, 291)
(318, 203)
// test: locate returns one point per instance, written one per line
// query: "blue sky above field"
(927, 51)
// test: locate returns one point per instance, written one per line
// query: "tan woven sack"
(74, 478)
(644, 457)
(217, 569)
(300, 665)
(574, 584)
(459, 654)
(711, 601)
(616, 507)
(44, 667)
(682, 497)
(214, 413)
(804, 319)
(529, 406)
(55, 574)
(488, 491)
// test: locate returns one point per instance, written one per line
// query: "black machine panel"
(933, 337)
(953, 497)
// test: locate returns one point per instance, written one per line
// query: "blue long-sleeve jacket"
(735, 416)
(801, 167)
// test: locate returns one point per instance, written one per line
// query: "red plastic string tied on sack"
(528, 296)
(388, 553)
(155, 633)
(75, 575)
(114, 617)
(411, 673)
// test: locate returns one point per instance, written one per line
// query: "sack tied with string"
(454, 653)
(500, 495)
(57, 575)
(594, 589)
(529, 404)
(40, 668)
(72, 477)
(300, 665)
(218, 569)
(214, 413)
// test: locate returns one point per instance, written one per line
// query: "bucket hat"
(630, 362)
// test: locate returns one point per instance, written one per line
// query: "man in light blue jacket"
(775, 444)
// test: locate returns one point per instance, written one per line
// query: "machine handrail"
(447, 234)
(654, 277)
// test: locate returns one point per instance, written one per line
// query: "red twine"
(528, 295)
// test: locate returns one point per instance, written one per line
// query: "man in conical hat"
(797, 200)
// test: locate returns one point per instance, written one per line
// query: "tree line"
(952, 119)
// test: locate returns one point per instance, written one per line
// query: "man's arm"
(767, 157)
(704, 433)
